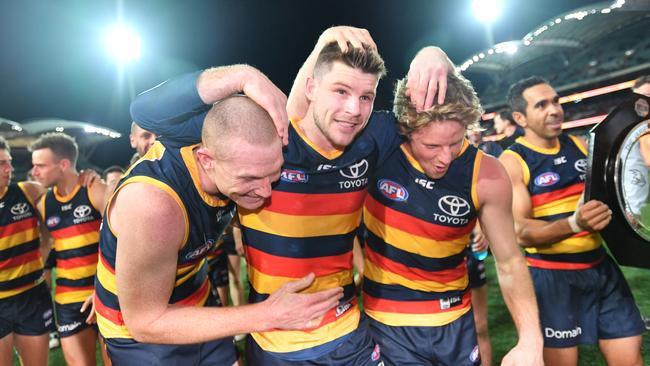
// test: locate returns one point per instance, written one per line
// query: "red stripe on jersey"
(77, 261)
(115, 316)
(415, 226)
(61, 289)
(194, 298)
(540, 263)
(412, 307)
(416, 274)
(19, 226)
(106, 264)
(542, 198)
(315, 204)
(75, 230)
(274, 265)
(20, 259)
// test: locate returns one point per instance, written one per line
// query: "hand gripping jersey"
(73, 221)
(308, 225)
(21, 264)
(206, 217)
(556, 179)
(415, 270)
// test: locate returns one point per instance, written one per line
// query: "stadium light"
(486, 11)
(122, 43)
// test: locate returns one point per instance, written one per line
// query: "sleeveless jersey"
(21, 264)
(73, 221)
(308, 225)
(415, 271)
(555, 179)
(206, 217)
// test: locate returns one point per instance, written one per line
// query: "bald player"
(153, 297)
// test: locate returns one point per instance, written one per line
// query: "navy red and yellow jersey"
(205, 218)
(73, 221)
(415, 271)
(21, 264)
(555, 179)
(308, 225)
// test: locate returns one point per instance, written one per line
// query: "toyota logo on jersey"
(453, 206)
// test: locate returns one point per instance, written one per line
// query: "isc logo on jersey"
(547, 179)
(294, 176)
(392, 190)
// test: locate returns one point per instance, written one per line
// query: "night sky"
(54, 64)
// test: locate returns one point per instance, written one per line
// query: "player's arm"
(99, 193)
(147, 251)
(495, 198)
(176, 108)
(592, 216)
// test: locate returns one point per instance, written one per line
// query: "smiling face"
(141, 139)
(245, 177)
(341, 103)
(435, 145)
(544, 114)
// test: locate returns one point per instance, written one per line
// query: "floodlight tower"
(123, 45)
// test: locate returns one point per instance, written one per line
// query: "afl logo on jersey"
(53, 221)
(547, 179)
(293, 176)
(392, 190)
(200, 251)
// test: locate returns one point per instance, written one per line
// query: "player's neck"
(510, 130)
(68, 181)
(308, 128)
(541, 142)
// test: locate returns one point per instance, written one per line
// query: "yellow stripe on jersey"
(76, 273)
(379, 275)
(567, 204)
(266, 284)
(525, 171)
(19, 290)
(19, 238)
(579, 143)
(414, 243)
(23, 187)
(72, 296)
(22, 270)
(106, 278)
(330, 155)
(300, 226)
(110, 329)
(188, 275)
(475, 171)
(416, 320)
(570, 245)
(296, 340)
(77, 241)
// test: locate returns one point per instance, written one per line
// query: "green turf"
(502, 329)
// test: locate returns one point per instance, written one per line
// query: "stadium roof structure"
(555, 44)
(10, 129)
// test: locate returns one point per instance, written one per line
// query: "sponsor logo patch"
(53, 221)
(392, 190)
(19, 208)
(376, 353)
(547, 179)
(581, 165)
(355, 171)
(200, 251)
(453, 205)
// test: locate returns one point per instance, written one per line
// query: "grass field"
(502, 329)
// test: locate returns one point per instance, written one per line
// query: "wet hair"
(461, 105)
(62, 145)
(515, 97)
(365, 59)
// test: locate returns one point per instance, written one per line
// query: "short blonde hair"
(461, 105)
